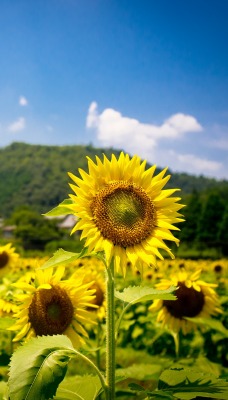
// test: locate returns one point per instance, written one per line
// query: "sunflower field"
(123, 318)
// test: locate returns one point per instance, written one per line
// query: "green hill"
(36, 175)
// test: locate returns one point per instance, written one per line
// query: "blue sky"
(146, 76)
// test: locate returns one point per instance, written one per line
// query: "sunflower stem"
(98, 353)
(110, 333)
(177, 343)
(102, 380)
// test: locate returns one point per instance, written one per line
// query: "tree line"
(206, 222)
(36, 176)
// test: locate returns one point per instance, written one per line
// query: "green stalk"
(110, 333)
(102, 380)
(98, 353)
(177, 343)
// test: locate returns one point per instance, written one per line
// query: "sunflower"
(51, 305)
(92, 271)
(7, 307)
(195, 298)
(8, 258)
(123, 210)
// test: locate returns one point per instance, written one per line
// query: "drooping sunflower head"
(51, 305)
(123, 209)
(92, 272)
(8, 258)
(195, 298)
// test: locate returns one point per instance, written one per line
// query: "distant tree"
(223, 232)
(33, 230)
(36, 175)
(210, 220)
(192, 213)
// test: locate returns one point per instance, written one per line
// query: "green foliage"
(223, 232)
(3, 391)
(210, 219)
(45, 367)
(204, 232)
(33, 230)
(85, 387)
(36, 175)
(136, 294)
(62, 257)
(186, 383)
(71, 244)
(214, 324)
(140, 371)
(61, 209)
(189, 228)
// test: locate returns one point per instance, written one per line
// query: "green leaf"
(64, 394)
(136, 387)
(140, 371)
(160, 394)
(61, 209)
(210, 323)
(191, 382)
(62, 257)
(86, 387)
(3, 390)
(6, 322)
(136, 294)
(37, 367)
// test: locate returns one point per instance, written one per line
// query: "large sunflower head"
(195, 298)
(51, 305)
(123, 209)
(8, 258)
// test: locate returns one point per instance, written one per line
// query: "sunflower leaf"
(3, 390)
(140, 371)
(62, 257)
(85, 387)
(186, 383)
(61, 209)
(210, 323)
(46, 363)
(190, 383)
(137, 294)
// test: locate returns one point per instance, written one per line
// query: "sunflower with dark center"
(51, 306)
(8, 259)
(123, 210)
(195, 298)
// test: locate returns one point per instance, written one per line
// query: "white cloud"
(113, 129)
(23, 101)
(157, 143)
(17, 126)
(194, 163)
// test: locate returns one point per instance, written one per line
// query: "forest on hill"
(36, 176)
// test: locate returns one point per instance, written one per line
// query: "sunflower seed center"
(51, 311)
(124, 213)
(189, 302)
(4, 258)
